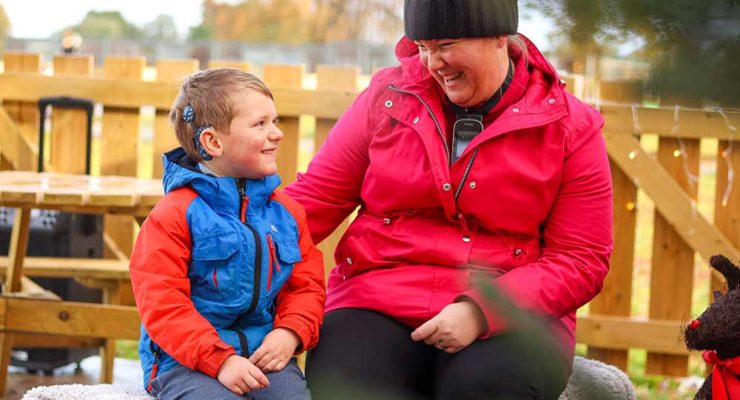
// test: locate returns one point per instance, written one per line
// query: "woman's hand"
(276, 350)
(454, 328)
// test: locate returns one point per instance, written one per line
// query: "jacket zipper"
(444, 140)
(240, 183)
(155, 366)
(244, 344)
(273, 261)
(465, 174)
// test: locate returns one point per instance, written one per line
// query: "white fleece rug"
(87, 392)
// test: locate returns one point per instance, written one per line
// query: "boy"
(227, 281)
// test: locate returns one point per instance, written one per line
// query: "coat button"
(349, 260)
(466, 239)
(516, 110)
(551, 101)
(387, 221)
(416, 120)
(472, 185)
(518, 252)
(446, 187)
(388, 104)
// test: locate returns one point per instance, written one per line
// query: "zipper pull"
(240, 183)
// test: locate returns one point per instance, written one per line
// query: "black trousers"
(366, 355)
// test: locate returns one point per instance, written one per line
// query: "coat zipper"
(444, 140)
(155, 365)
(273, 261)
(240, 184)
(465, 174)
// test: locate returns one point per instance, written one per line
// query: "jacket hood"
(417, 78)
(221, 193)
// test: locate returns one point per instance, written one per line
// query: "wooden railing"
(610, 328)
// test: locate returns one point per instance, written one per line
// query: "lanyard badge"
(466, 128)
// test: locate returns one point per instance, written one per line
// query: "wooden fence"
(610, 328)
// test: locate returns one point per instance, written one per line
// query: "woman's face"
(469, 70)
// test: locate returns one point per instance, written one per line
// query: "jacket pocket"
(284, 254)
(210, 267)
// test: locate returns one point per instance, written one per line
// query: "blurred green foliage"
(107, 24)
(693, 46)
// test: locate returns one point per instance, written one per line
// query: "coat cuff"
(295, 325)
(211, 364)
(495, 324)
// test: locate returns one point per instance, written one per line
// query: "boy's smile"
(250, 146)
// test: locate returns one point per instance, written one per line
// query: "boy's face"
(250, 146)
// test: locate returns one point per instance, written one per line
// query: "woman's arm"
(330, 189)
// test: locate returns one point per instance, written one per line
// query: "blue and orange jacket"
(218, 263)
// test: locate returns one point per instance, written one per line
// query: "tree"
(107, 24)
(161, 28)
(351, 20)
(4, 28)
(300, 21)
(694, 46)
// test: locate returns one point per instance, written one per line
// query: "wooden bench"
(29, 315)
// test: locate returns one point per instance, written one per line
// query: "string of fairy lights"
(681, 152)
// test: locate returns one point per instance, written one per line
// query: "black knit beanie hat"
(451, 19)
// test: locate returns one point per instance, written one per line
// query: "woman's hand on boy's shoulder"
(241, 376)
(276, 350)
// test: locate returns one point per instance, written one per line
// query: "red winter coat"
(534, 213)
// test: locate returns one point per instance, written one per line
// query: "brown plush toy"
(717, 331)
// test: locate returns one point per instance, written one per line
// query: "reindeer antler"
(729, 270)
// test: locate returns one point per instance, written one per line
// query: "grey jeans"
(181, 383)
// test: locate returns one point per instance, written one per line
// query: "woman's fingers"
(425, 331)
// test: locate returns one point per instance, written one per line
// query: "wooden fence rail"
(665, 175)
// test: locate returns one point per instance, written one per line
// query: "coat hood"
(221, 193)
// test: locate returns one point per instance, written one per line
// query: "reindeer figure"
(717, 331)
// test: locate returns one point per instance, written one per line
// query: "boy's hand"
(276, 350)
(241, 376)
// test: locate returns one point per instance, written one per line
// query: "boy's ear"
(210, 141)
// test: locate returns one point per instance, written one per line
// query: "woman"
(469, 161)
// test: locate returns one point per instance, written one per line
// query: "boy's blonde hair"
(211, 93)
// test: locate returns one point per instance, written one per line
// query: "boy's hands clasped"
(241, 376)
(276, 350)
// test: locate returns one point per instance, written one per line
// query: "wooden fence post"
(119, 146)
(24, 114)
(119, 149)
(286, 77)
(69, 126)
(164, 136)
(615, 298)
(332, 79)
(672, 263)
(727, 215)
